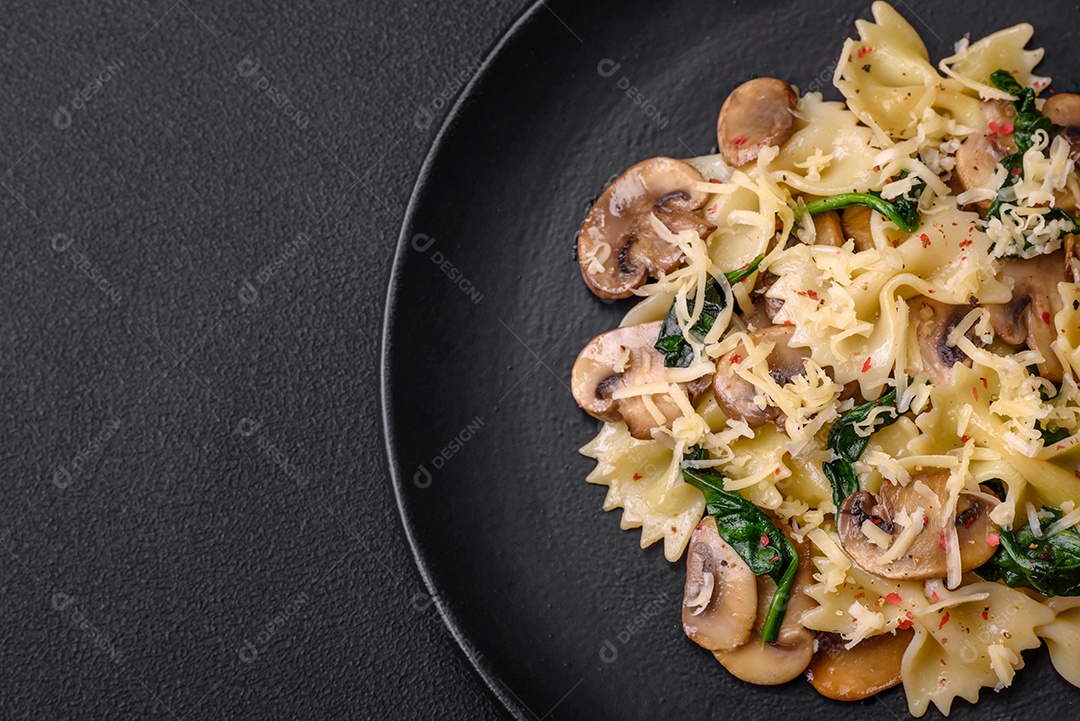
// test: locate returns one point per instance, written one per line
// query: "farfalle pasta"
(849, 392)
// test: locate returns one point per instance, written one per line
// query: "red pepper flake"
(944, 641)
(864, 51)
(637, 476)
(866, 365)
(812, 295)
(943, 662)
(985, 384)
(714, 207)
(876, 521)
(775, 558)
(736, 358)
(986, 615)
(1045, 317)
(934, 597)
(738, 140)
(931, 291)
(1016, 171)
(925, 240)
(860, 594)
(965, 242)
(904, 625)
(1076, 473)
(764, 540)
(893, 598)
(993, 126)
(969, 521)
(975, 393)
(776, 472)
(994, 540)
(699, 526)
(1006, 128)
(944, 620)
(965, 439)
(941, 541)
(910, 616)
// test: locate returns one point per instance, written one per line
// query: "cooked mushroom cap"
(756, 114)
(625, 357)
(934, 322)
(618, 249)
(828, 229)
(980, 152)
(1063, 109)
(926, 556)
(866, 669)
(856, 223)
(736, 395)
(771, 664)
(720, 599)
(1029, 317)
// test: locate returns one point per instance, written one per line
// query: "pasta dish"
(849, 391)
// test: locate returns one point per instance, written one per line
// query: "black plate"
(560, 611)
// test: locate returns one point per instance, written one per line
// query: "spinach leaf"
(1051, 436)
(1027, 122)
(1050, 565)
(903, 211)
(849, 445)
(671, 343)
(1028, 118)
(753, 535)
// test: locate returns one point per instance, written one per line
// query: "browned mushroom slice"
(1029, 317)
(934, 322)
(736, 395)
(860, 672)
(856, 223)
(923, 552)
(618, 248)
(720, 599)
(756, 114)
(771, 664)
(980, 152)
(828, 230)
(1064, 109)
(620, 358)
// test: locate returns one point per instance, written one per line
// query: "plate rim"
(509, 702)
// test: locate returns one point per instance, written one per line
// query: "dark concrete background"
(199, 211)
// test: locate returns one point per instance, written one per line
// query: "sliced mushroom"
(626, 357)
(828, 230)
(736, 395)
(1029, 317)
(981, 151)
(771, 664)
(869, 667)
(756, 114)
(618, 249)
(926, 556)
(1064, 109)
(934, 322)
(856, 222)
(720, 599)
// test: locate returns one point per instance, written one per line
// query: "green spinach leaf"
(671, 343)
(849, 445)
(902, 211)
(1049, 565)
(753, 535)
